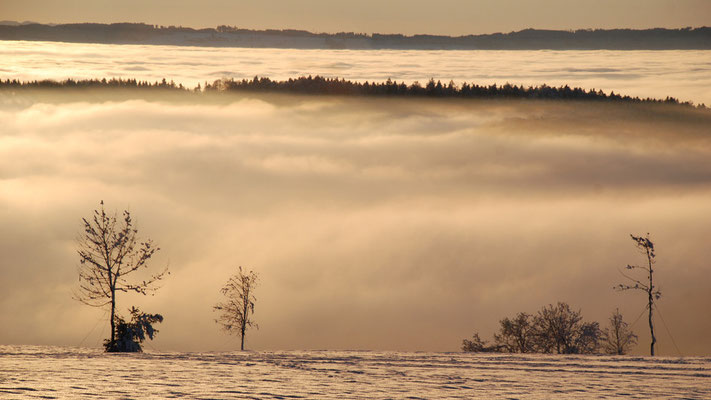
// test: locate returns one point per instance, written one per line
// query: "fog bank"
(374, 224)
(682, 74)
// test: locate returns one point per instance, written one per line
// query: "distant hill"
(15, 23)
(227, 36)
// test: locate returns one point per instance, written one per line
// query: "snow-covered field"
(67, 372)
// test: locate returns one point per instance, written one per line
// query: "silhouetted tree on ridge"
(517, 335)
(236, 312)
(109, 250)
(617, 338)
(646, 247)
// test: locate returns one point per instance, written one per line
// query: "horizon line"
(370, 34)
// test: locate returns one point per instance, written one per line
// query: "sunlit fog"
(685, 75)
(394, 224)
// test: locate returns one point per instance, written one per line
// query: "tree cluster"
(555, 329)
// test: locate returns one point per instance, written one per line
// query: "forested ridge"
(318, 85)
(232, 36)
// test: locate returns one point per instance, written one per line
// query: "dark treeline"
(231, 36)
(333, 86)
(90, 83)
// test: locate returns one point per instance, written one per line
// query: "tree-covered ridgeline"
(318, 85)
(232, 36)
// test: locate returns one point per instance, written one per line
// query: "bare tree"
(646, 247)
(109, 249)
(560, 329)
(517, 335)
(587, 339)
(235, 311)
(617, 338)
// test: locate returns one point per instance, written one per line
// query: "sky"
(446, 17)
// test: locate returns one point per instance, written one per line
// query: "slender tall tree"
(646, 247)
(109, 249)
(236, 312)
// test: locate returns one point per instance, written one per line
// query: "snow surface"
(68, 373)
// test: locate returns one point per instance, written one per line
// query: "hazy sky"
(451, 17)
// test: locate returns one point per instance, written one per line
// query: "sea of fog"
(28, 372)
(374, 223)
(685, 75)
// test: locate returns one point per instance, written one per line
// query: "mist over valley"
(366, 200)
(420, 219)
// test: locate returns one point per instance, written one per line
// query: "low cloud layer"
(683, 74)
(374, 224)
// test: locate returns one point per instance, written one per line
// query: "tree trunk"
(651, 325)
(245, 310)
(650, 292)
(113, 310)
(244, 328)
